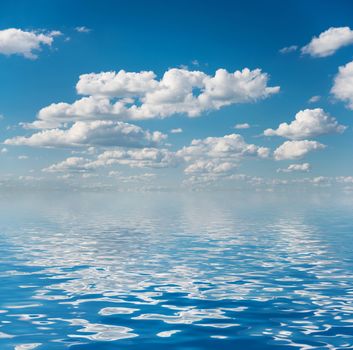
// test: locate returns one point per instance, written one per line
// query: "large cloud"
(16, 41)
(95, 133)
(296, 149)
(328, 42)
(130, 96)
(343, 84)
(308, 123)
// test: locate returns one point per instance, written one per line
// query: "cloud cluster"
(343, 84)
(308, 123)
(296, 149)
(70, 165)
(225, 147)
(95, 133)
(138, 158)
(16, 41)
(328, 42)
(140, 95)
(202, 167)
(134, 158)
(213, 156)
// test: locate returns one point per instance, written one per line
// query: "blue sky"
(193, 39)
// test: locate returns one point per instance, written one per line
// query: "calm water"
(167, 271)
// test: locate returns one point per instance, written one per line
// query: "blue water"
(176, 271)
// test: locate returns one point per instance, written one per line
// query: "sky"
(182, 95)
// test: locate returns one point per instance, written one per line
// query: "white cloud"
(72, 164)
(314, 99)
(117, 84)
(343, 84)
(16, 41)
(82, 29)
(4, 150)
(137, 158)
(345, 179)
(210, 157)
(130, 96)
(304, 167)
(241, 126)
(296, 149)
(308, 123)
(23, 157)
(214, 157)
(288, 49)
(231, 146)
(176, 131)
(328, 42)
(214, 167)
(95, 133)
(146, 177)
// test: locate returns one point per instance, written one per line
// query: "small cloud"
(4, 150)
(83, 29)
(22, 157)
(195, 62)
(314, 99)
(176, 131)
(241, 126)
(307, 124)
(288, 49)
(328, 42)
(15, 41)
(305, 167)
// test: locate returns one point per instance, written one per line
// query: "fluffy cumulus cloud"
(308, 123)
(216, 156)
(231, 146)
(96, 133)
(137, 158)
(26, 43)
(296, 149)
(70, 165)
(140, 95)
(329, 41)
(201, 167)
(134, 158)
(304, 167)
(343, 84)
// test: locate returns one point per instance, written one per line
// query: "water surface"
(175, 271)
